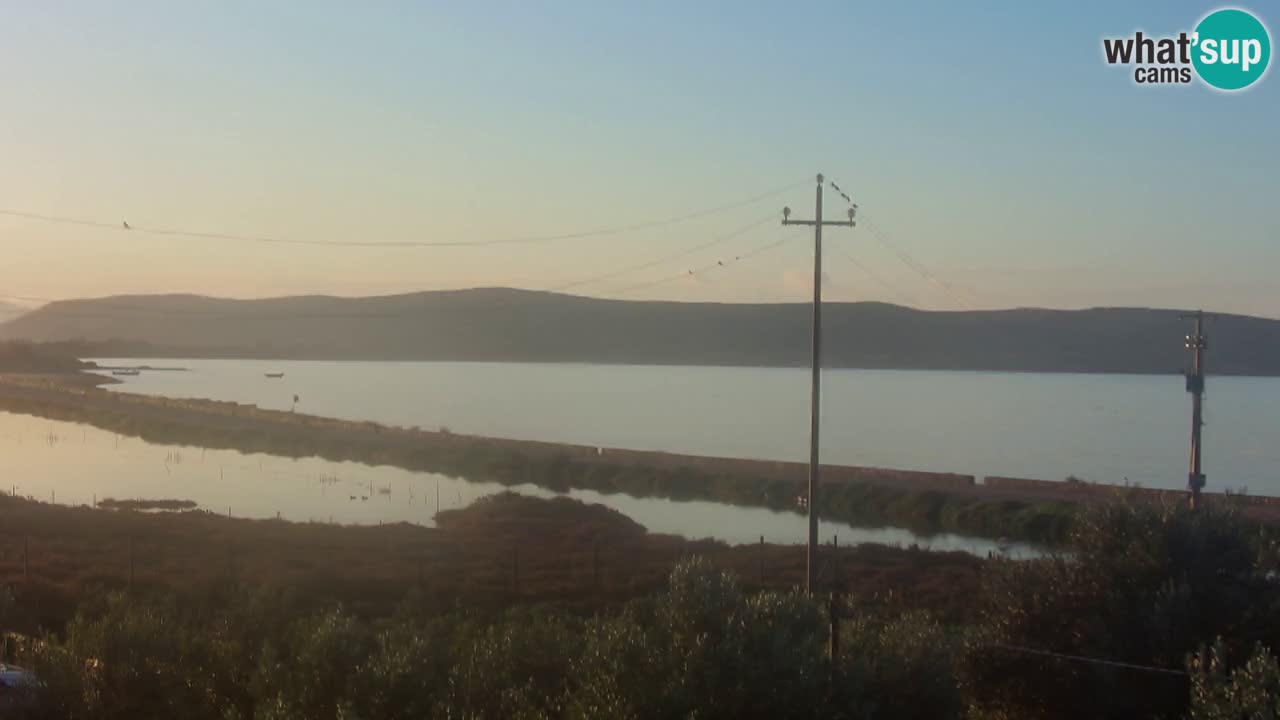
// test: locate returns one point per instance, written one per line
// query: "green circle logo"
(1232, 49)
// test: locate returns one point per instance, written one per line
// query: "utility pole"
(811, 566)
(1197, 344)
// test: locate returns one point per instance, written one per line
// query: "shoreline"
(506, 550)
(928, 503)
(248, 357)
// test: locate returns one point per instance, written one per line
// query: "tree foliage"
(1140, 582)
(1143, 584)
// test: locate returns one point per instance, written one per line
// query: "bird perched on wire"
(126, 225)
(843, 194)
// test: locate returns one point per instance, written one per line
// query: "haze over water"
(1100, 428)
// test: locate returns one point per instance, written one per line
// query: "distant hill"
(518, 325)
(23, 357)
(9, 311)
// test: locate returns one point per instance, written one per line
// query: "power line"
(902, 254)
(698, 271)
(859, 264)
(893, 289)
(1092, 660)
(105, 309)
(127, 227)
(908, 260)
(915, 265)
(665, 258)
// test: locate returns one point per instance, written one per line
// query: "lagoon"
(1100, 428)
(76, 464)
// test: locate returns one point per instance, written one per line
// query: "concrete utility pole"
(1196, 343)
(811, 567)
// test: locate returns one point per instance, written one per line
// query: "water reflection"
(741, 525)
(76, 464)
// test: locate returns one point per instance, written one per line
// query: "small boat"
(126, 371)
(274, 375)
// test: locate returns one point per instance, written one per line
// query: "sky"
(996, 160)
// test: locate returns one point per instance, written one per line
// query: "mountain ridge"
(505, 324)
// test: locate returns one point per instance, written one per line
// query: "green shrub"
(132, 660)
(406, 673)
(706, 650)
(515, 668)
(902, 668)
(1249, 692)
(1141, 582)
(309, 673)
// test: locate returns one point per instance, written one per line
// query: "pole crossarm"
(811, 498)
(825, 223)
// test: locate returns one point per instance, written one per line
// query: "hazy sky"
(987, 140)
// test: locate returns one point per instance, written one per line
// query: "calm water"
(1102, 428)
(74, 464)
